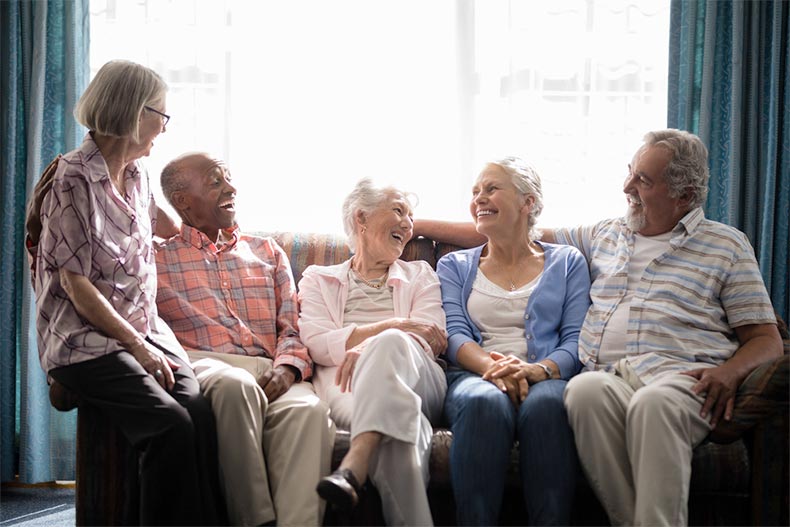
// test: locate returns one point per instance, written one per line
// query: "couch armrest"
(761, 395)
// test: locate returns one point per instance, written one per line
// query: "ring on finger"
(158, 373)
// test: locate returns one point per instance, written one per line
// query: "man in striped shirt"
(679, 317)
(231, 301)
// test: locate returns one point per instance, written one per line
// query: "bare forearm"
(463, 234)
(94, 308)
(474, 358)
(547, 235)
(756, 350)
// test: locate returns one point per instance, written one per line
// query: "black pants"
(174, 432)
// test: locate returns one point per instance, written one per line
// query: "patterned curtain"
(729, 83)
(44, 68)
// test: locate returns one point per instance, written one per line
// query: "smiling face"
(383, 232)
(651, 208)
(208, 203)
(151, 125)
(496, 206)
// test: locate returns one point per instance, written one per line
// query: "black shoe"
(340, 489)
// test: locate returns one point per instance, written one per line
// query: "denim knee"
(472, 401)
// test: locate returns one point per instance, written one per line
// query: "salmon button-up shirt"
(238, 297)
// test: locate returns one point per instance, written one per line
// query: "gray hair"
(174, 178)
(366, 198)
(687, 171)
(114, 100)
(527, 182)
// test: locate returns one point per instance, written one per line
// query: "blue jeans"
(485, 424)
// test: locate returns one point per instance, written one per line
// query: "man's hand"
(719, 385)
(759, 343)
(276, 381)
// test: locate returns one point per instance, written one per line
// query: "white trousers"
(397, 390)
(635, 442)
(271, 454)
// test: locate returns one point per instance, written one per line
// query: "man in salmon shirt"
(231, 300)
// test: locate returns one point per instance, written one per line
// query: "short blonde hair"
(114, 100)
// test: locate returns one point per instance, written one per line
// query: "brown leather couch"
(739, 475)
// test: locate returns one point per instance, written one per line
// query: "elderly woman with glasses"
(99, 334)
(515, 307)
(374, 326)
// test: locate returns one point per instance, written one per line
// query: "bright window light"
(303, 98)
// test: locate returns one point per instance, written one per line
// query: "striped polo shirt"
(685, 305)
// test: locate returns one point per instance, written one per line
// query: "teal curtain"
(729, 83)
(44, 68)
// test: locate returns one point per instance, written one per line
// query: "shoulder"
(461, 257)
(325, 271)
(557, 251)
(414, 268)
(260, 244)
(172, 242)
(721, 232)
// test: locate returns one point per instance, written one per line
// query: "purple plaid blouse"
(89, 229)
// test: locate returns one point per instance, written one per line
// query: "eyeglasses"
(165, 117)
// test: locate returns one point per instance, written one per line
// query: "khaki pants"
(635, 442)
(271, 454)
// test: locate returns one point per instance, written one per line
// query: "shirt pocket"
(257, 301)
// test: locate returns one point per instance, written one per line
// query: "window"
(304, 97)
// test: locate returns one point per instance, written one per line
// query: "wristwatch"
(547, 369)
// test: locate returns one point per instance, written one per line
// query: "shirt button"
(224, 284)
(532, 356)
(529, 337)
(142, 287)
(526, 317)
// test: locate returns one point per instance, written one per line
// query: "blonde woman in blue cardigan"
(514, 310)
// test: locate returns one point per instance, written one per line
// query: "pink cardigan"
(323, 292)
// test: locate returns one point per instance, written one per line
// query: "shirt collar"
(690, 221)
(199, 240)
(339, 272)
(686, 225)
(97, 164)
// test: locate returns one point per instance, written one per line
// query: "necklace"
(376, 283)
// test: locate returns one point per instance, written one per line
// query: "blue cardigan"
(554, 313)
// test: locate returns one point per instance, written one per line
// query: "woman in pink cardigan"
(374, 326)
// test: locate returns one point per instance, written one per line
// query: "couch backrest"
(306, 248)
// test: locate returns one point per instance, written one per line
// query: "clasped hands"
(513, 376)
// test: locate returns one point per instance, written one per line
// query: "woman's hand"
(345, 372)
(154, 362)
(431, 333)
(512, 365)
(516, 387)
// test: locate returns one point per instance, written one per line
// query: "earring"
(364, 229)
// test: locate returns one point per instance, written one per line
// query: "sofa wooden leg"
(107, 479)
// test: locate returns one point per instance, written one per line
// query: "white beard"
(635, 220)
